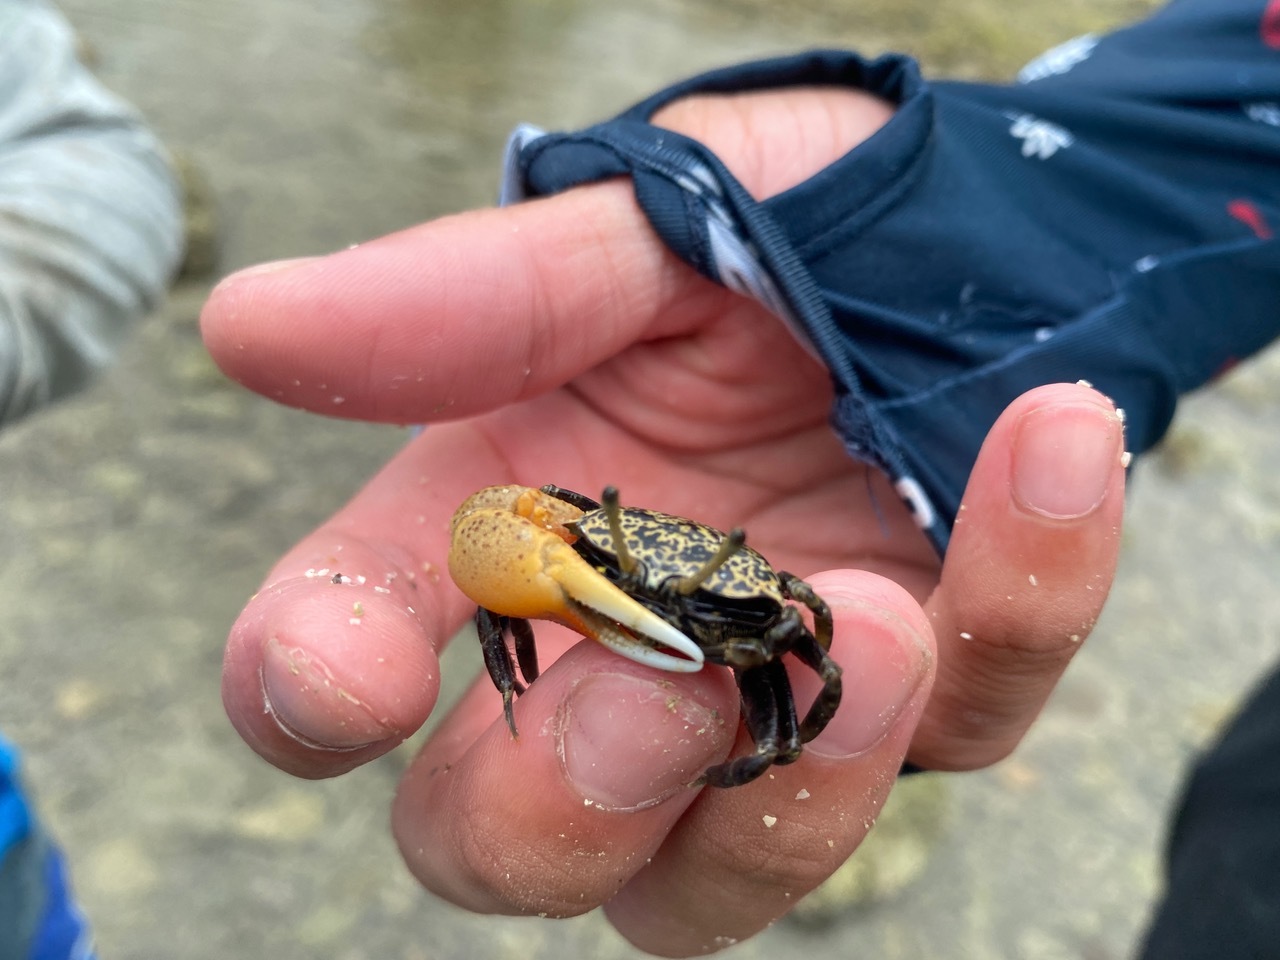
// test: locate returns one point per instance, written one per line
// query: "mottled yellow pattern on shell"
(671, 546)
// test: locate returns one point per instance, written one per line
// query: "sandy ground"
(139, 516)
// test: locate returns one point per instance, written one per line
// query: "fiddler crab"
(661, 590)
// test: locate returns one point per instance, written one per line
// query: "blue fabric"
(15, 818)
(62, 933)
(41, 920)
(1116, 211)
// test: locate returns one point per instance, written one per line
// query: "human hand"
(558, 341)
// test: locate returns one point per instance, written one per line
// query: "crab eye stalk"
(730, 545)
(613, 512)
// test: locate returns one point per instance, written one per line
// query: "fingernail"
(303, 698)
(627, 743)
(891, 661)
(1064, 457)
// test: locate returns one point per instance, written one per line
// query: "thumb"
(1030, 563)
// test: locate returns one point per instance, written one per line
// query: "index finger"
(458, 316)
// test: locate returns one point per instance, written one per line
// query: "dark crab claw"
(510, 564)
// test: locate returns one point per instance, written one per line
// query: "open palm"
(559, 342)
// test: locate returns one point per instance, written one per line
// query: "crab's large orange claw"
(511, 554)
(540, 509)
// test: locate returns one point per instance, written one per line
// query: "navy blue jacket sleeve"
(1110, 217)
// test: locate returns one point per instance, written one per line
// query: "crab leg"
(490, 628)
